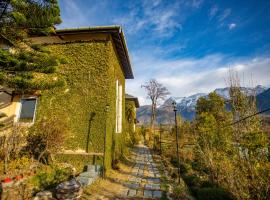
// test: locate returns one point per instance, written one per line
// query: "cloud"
(213, 11)
(73, 17)
(151, 15)
(232, 26)
(197, 3)
(224, 15)
(187, 76)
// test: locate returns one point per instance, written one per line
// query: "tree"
(250, 139)
(27, 67)
(155, 92)
(20, 18)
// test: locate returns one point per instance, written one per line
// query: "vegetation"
(155, 92)
(26, 67)
(46, 138)
(91, 71)
(221, 159)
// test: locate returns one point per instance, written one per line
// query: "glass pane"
(27, 110)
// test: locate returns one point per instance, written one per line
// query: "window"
(119, 96)
(27, 111)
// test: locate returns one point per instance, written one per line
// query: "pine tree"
(27, 67)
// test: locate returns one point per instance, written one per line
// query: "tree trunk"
(41, 154)
(153, 119)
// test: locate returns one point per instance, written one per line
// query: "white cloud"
(224, 15)
(185, 77)
(232, 26)
(74, 17)
(160, 18)
(213, 11)
(197, 3)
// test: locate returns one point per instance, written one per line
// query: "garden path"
(137, 179)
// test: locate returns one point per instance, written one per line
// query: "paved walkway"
(145, 181)
(139, 178)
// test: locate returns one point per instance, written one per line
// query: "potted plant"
(7, 182)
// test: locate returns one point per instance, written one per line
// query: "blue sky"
(187, 45)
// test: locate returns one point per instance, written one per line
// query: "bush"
(174, 161)
(185, 168)
(181, 192)
(50, 177)
(192, 181)
(47, 137)
(135, 137)
(213, 194)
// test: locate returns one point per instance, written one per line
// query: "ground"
(138, 178)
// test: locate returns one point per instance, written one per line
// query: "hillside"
(187, 105)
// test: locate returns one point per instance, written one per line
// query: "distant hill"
(187, 105)
(263, 101)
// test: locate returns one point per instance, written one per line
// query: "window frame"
(119, 107)
(20, 109)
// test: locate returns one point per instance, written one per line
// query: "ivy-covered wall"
(91, 70)
(130, 110)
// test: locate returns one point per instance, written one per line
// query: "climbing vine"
(90, 71)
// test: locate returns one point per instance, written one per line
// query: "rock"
(94, 169)
(85, 181)
(157, 194)
(44, 195)
(69, 190)
(89, 174)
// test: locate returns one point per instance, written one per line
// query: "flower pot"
(7, 180)
(19, 177)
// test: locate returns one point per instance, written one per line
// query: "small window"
(28, 108)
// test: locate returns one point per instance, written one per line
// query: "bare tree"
(155, 92)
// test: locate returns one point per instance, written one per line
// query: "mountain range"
(187, 105)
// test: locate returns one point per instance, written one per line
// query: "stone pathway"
(136, 179)
(145, 180)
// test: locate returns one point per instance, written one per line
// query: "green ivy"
(90, 71)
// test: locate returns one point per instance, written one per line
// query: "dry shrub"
(47, 137)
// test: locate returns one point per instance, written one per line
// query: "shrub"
(181, 192)
(174, 161)
(213, 194)
(47, 137)
(135, 137)
(49, 177)
(192, 181)
(185, 167)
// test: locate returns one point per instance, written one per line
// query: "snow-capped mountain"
(224, 92)
(189, 101)
(187, 105)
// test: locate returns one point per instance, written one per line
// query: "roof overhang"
(118, 37)
(132, 98)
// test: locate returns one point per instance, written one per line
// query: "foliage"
(22, 17)
(143, 131)
(27, 71)
(78, 161)
(47, 137)
(181, 192)
(213, 194)
(229, 155)
(11, 145)
(130, 113)
(26, 67)
(49, 177)
(91, 71)
(220, 160)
